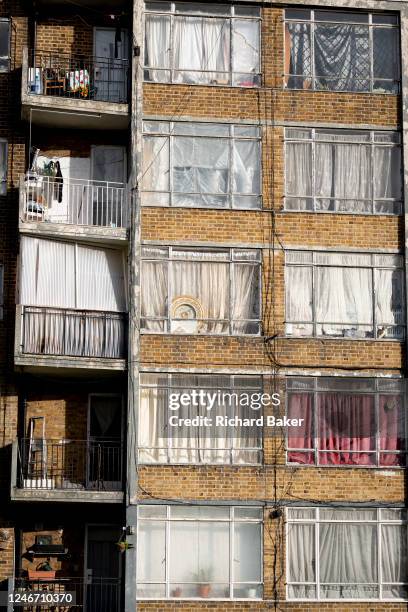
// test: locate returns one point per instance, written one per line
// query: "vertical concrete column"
(136, 101)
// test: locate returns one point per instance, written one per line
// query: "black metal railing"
(93, 465)
(79, 77)
(73, 333)
(93, 595)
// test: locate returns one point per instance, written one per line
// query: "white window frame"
(172, 385)
(319, 385)
(379, 521)
(230, 16)
(231, 261)
(232, 137)
(369, 24)
(372, 143)
(232, 520)
(373, 266)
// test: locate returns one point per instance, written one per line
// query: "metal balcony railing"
(93, 595)
(78, 77)
(91, 465)
(73, 333)
(73, 201)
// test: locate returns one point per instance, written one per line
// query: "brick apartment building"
(203, 196)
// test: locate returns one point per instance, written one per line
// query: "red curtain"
(300, 406)
(392, 436)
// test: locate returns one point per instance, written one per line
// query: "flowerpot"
(204, 590)
(41, 575)
(177, 592)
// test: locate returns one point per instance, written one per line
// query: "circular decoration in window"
(186, 315)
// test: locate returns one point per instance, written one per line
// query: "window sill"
(342, 91)
(337, 212)
(211, 85)
(341, 339)
(388, 468)
(178, 335)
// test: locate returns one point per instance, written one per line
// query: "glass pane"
(158, 127)
(247, 11)
(4, 39)
(247, 552)
(384, 18)
(152, 512)
(155, 170)
(393, 514)
(339, 16)
(301, 553)
(348, 514)
(195, 7)
(300, 60)
(201, 165)
(299, 169)
(387, 172)
(151, 560)
(299, 294)
(150, 591)
(297, 14)
(185, 128)
(386, 53)
(246, 164)
(203, 512)
(200, 553)
(158, 6)
(157, 47)
(389, 299)
(246, 131)
(342, 57)
(394, 553)
(247, 513)
(301, 513)
(245, 45)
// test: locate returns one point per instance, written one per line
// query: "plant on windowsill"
(43, 571)
(123, 546)
(203, 579)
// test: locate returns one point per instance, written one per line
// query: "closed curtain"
(343, 177)
(245, 311)
(160, 443)
(299, 169)
(300, 55)
(301, 560)
(343, 299)
(299, 311)
(57, 275)
(157, 47)
(394, 558)
(201, 50)
(346, 426)
(3, 168)
(300, 406)
(389, 299)
(392, 430)
(348, 555)
(154, 295)
(156, 170)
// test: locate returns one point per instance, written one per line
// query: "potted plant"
(203, 579)
(123, 545)
(43, 571)
(177, 592)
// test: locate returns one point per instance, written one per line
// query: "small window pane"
(158, 6)
(245, 44)
(247, 513)
(156, 127)
(301, 513)
(246, 131)
(247, 11)
(152, 512)
(386, 19)
(247, 552)
(4, 42)
(203, 9)
(339, 16)
(199, 512)
(297, 14)
(386, 53)
(152, 551)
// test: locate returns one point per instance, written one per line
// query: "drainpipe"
(131, 491)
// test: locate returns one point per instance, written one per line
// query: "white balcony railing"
(73, 201)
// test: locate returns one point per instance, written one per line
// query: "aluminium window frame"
(316, 522)
(229, 259)
(172, 14)
(369, 24)
(232, 521)
(173, 386)
(372, 143)
(314, 389)
(230, 194)
(373, 267)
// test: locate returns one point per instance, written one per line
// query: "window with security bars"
(202, 43)
(342, 51)
(346, 422)
(343, 171)
(344, 295)
(159, 442)
(199, 552)
(347, 553)
(201, 291)
(212, 165)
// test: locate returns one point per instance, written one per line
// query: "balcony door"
(108, 167)
(111, 64)
(103, 569)
(105, 435)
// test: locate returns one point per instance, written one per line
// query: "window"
(343, 171)
(344, 295)
(161, 443)
(1, 292)
(212, 165)
(4, 45)
(193, 552)
(3, 165)
(352, 422)
(202, 44)
(205, 291)
(338, 51)
(347, 553)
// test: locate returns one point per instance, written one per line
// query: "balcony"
(92, 595)
(96, 210)
(66, 338)
(67, 470)
(75, 91)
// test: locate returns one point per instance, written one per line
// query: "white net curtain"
(58, 282)
(159, 443)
